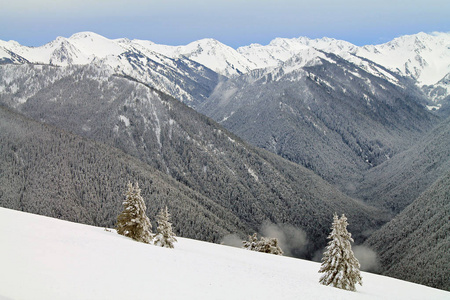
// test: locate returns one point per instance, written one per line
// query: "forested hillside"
(398, 181)
(415, 245)
(51, 172)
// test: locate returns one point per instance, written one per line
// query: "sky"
(232, 22)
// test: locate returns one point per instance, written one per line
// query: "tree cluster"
(134, 223)
(266, 245)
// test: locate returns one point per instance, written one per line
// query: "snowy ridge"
(88, 262)
(181, 78)
(281, 49)
(209, 52)
(291, 68)
(423, 57)
(80, 48)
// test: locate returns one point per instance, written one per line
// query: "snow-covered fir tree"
(165, 236)
(133, 221)
(266, 245)
(339, 264)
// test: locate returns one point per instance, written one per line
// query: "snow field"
(45, 258)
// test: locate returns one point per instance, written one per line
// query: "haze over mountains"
(368, 122)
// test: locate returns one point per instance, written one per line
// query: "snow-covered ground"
(45, 258)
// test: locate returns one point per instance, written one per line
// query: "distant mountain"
(80, 48)
(414, 245)
(209, 52)
(252, 184)
(423, 57)
(324, 112)
(333, 107)
(179, 77)
(280, 50)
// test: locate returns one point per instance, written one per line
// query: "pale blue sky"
(235, 23)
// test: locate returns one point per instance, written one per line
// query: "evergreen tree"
(266, 245)
(133, 221)
(339, 265)
(165, 236)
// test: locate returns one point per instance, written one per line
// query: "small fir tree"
(165, 236)
(266, 245)
(133, 221)
(339, 264)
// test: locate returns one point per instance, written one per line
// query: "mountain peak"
(86, 35)
(208, 44)
(209, 41)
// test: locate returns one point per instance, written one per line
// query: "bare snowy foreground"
(45, 258)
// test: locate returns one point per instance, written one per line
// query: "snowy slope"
(423, 57)
(44, 258)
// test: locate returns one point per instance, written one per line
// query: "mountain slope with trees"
(398, 181)
(415, 245)
(54, 173)
(254, 185)
(325, 113)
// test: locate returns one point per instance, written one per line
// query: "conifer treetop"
(133, 221)
(165, 236)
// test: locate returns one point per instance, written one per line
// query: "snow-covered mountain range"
(88, 262)
(180, 77)
(423, 57)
